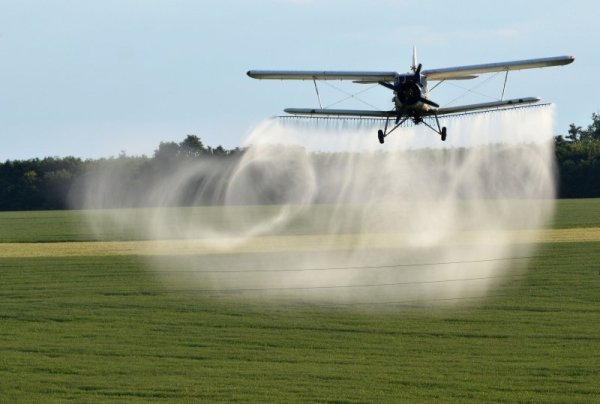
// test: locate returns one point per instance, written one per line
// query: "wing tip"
(300, 111)
(566, 60)
(524, 100)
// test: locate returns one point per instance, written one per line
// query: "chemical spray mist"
(325, 214)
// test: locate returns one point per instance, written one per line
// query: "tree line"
(47, 183)
(578, 161)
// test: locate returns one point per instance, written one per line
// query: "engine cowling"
(409, 93)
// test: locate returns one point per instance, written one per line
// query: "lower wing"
(340, 112)
(484, 106)
(437, 111)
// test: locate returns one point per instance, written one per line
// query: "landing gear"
(382, 134)
(439, 130)
(417, 119)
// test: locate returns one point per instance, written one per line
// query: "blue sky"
(93, 78)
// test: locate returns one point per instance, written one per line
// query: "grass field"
(100, 327)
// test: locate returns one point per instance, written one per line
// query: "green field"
(102, 328)
(56, 226)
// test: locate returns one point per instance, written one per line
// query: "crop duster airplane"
(411, 94)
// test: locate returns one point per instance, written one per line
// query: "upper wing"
(483, 106)
(449, 73)
(453, 72)
(370, 77)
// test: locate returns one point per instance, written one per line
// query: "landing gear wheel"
(443, 134)
(380, 136)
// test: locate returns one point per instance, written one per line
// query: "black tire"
(380, 136)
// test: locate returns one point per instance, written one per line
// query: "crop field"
(82, 318)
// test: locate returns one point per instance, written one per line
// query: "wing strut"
(504, 86)
(436, 84)
(317, 90)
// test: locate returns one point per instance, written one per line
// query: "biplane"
(411, 93)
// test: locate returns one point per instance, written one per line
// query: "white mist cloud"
(355, 223)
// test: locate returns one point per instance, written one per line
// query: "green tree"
(192, 146)
(166, 151)
(592, 132)
(574, 133)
